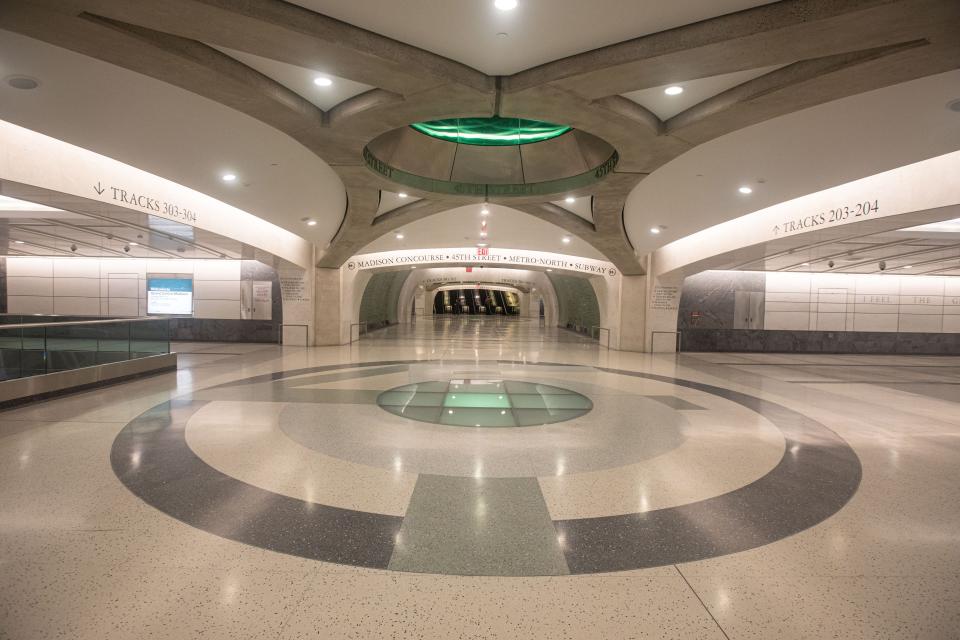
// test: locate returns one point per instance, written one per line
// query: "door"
(256, 299)
(748, 310)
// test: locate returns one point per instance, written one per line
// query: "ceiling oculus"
(491, 132)
(493, 157)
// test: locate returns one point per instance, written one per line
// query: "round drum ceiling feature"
(491, 157)
(491, 132)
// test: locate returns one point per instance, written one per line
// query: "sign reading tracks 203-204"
(833, 216)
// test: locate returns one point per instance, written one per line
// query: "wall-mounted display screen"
(169, 296)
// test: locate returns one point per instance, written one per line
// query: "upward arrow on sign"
(98, 188)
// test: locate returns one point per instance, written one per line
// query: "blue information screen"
(170, 296)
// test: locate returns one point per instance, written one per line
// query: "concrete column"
(297, 295)
(329, 318)
(648, 307)
(632, 312)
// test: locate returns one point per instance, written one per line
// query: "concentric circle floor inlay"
(485, 524)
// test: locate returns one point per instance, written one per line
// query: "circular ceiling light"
(18, 242)
(484, 211)
(909, 266)
(24, 83)
(134, 244)
(745, 190)
(570, 200)
(228, 177)
(491, 132)
(505, 5)
(673, 90)
(401, 195)
(322, 81)
(399, 236)
(311, 223)
(654, 229)
(566, 240)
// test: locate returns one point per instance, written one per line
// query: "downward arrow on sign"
(98, 188)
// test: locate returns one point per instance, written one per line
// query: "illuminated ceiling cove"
(491, 132)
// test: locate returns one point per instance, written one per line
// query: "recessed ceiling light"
(25, 83)
(909, 266)
(399, 236)
(322, 81)
(745, 190)
(505, 5)
(805, 264)
(673, 90)
(549, 269)
(566, 240)
(311, 223)
(481, 244)
(413, 267)
(570, 200)
(18, 242)
(483, 234)
(654, 229)
(228, 177)
(401, 195)
(134, 244)
(484, 211)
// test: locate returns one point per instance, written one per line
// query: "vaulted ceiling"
(190, 88)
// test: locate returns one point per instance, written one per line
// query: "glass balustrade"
(33, 348)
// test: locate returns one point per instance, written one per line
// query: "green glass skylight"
(491, 132)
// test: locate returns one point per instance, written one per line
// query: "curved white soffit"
(34, 159)
(923, 186)
(474, 257)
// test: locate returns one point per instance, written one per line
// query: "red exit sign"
(483, 251)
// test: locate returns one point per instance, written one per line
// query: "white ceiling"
(694, 91)
(538, 31)
(794, 155)
(172, 133)
(390, 200)
(582, 207)
(506, 228)
(301, 80)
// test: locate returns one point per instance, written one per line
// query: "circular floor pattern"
(484, 402)
(816, 476)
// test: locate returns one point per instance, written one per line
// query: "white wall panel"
(29, 286)
(76, 267)
(30, 304)
(225, 309)
(120, 287)
(216, 290)
(38, 267)
(76, 306)
(77, 287)
(217, 270)
(122, 307)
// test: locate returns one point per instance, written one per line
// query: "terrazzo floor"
(261, 492)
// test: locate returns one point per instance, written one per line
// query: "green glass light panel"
(491, 132)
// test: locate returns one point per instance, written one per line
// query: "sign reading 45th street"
(146, 203)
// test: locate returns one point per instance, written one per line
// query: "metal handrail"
(74, 323)
(362, 323)
(599, 329)
(306, 332)
(679, 339)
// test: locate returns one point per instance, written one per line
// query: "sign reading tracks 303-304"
(147, 203)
